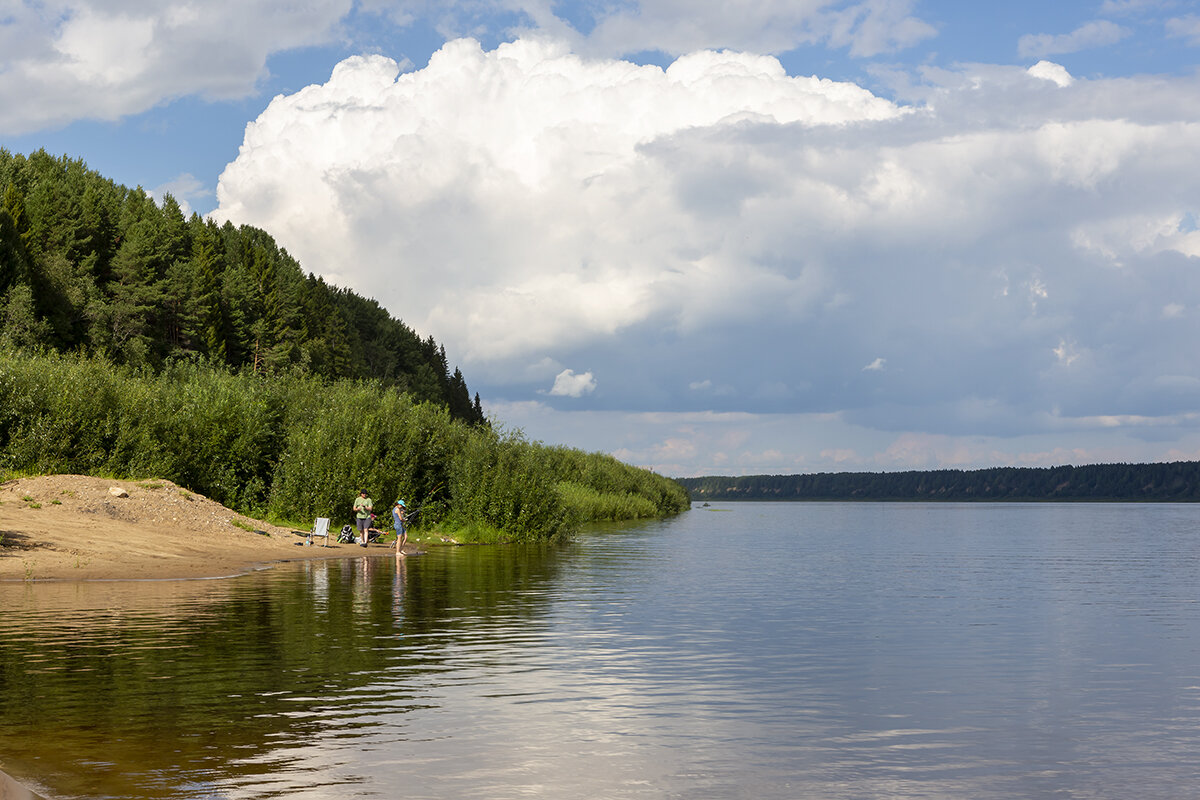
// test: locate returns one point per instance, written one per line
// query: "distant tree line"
(1171, 482)
(91, 267)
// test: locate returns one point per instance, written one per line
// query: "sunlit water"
(745, 651)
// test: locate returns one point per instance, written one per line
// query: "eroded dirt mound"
(156, 503)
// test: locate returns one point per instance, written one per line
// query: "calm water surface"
(748, 650)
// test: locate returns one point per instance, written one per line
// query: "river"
(744, 650)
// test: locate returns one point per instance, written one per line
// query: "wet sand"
(11, 790)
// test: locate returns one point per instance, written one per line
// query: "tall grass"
(296, 447)
(589, 504)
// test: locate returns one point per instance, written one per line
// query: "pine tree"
(13, 263)
(477, 412)
(132, 311)
(210, 319)
(458, 398)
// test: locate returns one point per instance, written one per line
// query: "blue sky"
(708, 237)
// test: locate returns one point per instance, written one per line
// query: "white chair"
(320, 528)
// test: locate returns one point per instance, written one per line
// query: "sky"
(710, 237)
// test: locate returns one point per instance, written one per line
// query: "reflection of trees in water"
(160, 690)
(480, 583)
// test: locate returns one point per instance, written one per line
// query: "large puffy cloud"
(1015, 249)
(66, 60)
(517, 197)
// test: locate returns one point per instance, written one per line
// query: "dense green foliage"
(1174, 482)
(91, 267)
(611, 490)
(294, 447)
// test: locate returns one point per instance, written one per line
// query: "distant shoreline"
(1174, 482)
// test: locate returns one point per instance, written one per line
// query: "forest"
(1160, 482)
(136, 343)
(88, 266)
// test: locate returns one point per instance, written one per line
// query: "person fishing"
(362, 516)
(400, 516)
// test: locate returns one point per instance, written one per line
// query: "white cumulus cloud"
(569, 384)
(521, 200)
(1049, 71)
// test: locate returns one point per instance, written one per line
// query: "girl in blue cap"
(398, 512)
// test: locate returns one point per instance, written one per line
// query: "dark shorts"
(363, 524)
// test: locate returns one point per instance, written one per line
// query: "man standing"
(362, 516)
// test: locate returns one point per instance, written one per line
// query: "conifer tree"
(209, 314)
(134, 306)
(458, 398)
(12, 253)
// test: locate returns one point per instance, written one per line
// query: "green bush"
(297, 447)
(213, 432)
(346, 436)
(57, 413)
(504, 481)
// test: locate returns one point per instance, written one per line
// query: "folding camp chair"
(320, 528)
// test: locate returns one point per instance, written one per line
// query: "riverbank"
(75, 527)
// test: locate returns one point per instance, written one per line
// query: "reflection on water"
(766, 650)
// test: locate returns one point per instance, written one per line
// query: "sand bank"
(73, 527)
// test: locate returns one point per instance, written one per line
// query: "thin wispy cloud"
(1097, 33)
(1187, 27)
(184, 189)
(865, 29)
(1133, 7)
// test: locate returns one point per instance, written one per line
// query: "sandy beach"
(74, 527)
